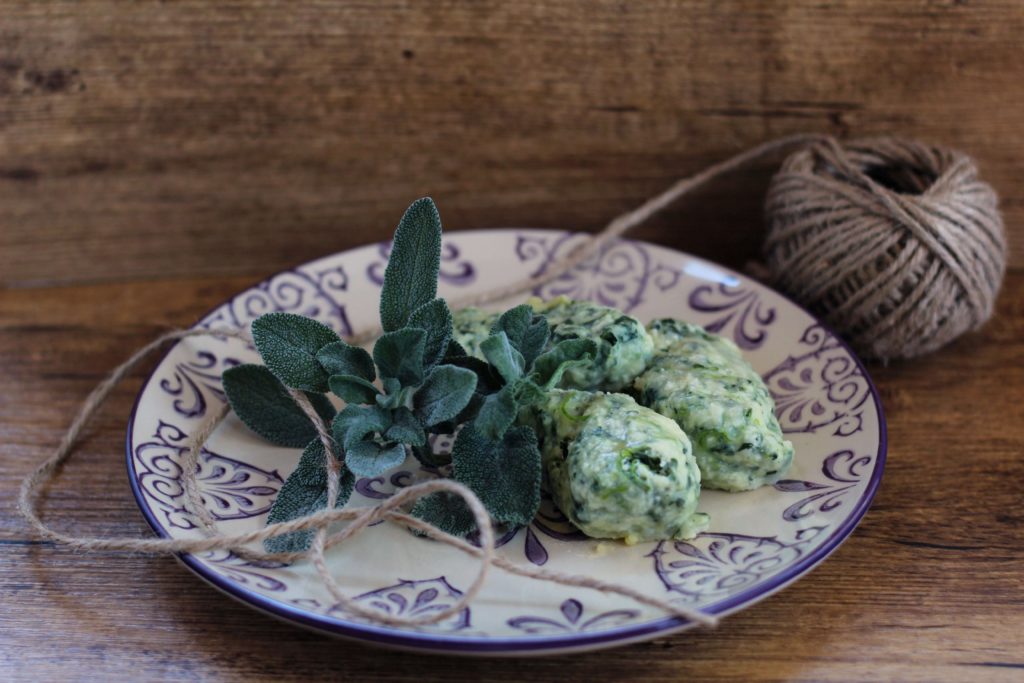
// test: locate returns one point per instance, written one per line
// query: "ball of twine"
(897, 245)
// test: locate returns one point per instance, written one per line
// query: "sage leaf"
(527, 332)
(352, 389)
(444, 394)
(447, 511)
(355, 423)
(570, 353)
(339, 358)
(410, 279)
(436, 319)
(500, 353)
(497, 413)
(264, 405)
(370, 459)
(399, 355)
(429, 458)
(505, 474)
(405, 428)
(455, 350)
(527, 392)
(304, 493)
(289, 344)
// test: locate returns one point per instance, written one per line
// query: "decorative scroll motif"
(844, 470)
(190, 380)
(717, 565)
(618, 276)
(822, 387)
(741, 309)
(572, 620)
(309, 291)
(418, 598)
(243, 571)
(454, 270)
(230, 489)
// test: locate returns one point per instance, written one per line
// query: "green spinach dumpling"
(623, 346)
(617, 469)
(470, 326)
(702, 382)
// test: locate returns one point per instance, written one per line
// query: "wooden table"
(141, 142)
(928, 588)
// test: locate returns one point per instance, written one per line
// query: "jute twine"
(896, 244)
(822, 199)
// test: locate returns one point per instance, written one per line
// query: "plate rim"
(520, 645)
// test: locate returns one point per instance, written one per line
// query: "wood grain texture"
(142, 143)
(929, 588)
(151, 139)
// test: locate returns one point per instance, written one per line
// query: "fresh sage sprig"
(495, 457)
(416, 382)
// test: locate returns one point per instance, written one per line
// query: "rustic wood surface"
(156, 158)
(146, 139)
(928, 588)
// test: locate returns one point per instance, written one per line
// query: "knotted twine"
(898, 245)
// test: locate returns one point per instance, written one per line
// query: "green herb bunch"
(425, 384)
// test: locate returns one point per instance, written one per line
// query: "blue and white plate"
(758, 541)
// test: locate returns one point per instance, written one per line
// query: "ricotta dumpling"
(623, 345)
(617, 469)
(470, 326)
(701, 381)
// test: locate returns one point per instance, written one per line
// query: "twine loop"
(359, 519)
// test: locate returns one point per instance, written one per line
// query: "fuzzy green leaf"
(447, 511)
(527, 332)
(339, 358)
(303, 493)
(405, 428)
(399, 355)
(504, 474)
(528, 392)
(410, 279)
(435, 318)
(429, 458)
(488, 381)
(454, 350)
(261, 402)
(497, 413)
(551, 365)
(370, 459)
(289, 344)
(444, 394)
(352, 389)
(355, 423)
(500, 353)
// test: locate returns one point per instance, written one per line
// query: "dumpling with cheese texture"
(617, 469)
(623, 345)
(701, 381)
(470, 326)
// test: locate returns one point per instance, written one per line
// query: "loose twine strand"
(836, 173)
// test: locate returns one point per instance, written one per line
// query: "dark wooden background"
(143, 140)
(157, 157)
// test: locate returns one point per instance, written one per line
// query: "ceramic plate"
(758, 541)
